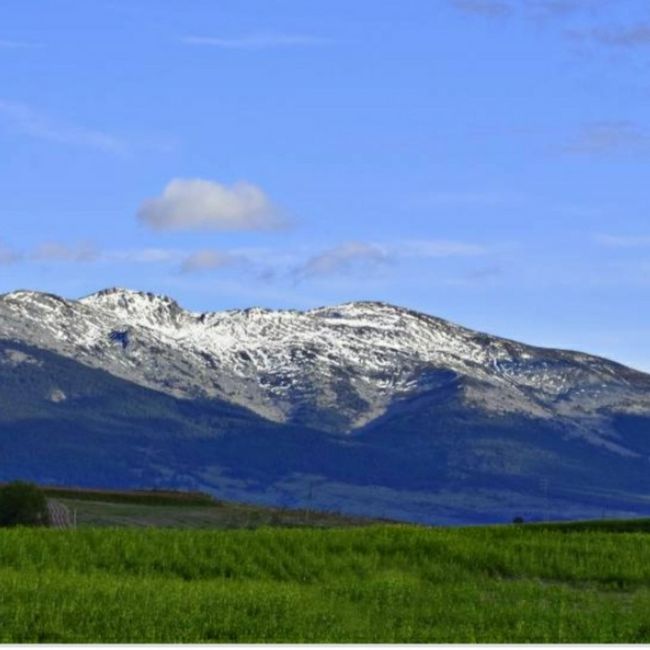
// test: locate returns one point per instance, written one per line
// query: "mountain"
(364, 407)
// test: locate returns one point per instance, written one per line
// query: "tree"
(23, 504)
(518, 520)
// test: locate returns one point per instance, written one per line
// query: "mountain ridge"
(377, 352)
(389, 412)
(165, 299)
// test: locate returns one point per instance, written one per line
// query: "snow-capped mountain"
(340, 367)
(369, 373)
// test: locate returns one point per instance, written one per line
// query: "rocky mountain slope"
(407, 404)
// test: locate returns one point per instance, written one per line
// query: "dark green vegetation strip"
(220, 515)
(603, 525)
(378, 584)
(143, 497)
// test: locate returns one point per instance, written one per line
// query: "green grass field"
(373, 584)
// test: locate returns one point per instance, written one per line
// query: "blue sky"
(485, 161)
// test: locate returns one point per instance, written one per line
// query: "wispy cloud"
(490, 8)
(472, 198)
(483, 273)
(630, 36)
(559, 8)
(17, 45)
(623, 241)
(343, 258)
(602, 138)
(197, 204)
(53, 251)
(437, 248)
(193, 262)
(28, 121)
(144, 256)
(599, 23)
(535, 9)
(255, 41)
(58, 252)
(8, 255)
(207, 260)
(366, 257)
(352, 259)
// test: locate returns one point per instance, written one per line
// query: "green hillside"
(83, 507)
(373, 584)
(222, 516)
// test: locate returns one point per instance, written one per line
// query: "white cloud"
(57, 252)
(206, 260)
(255, 41)
(195, 204)
(28, 121)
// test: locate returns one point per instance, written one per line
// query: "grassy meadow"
(385, 583)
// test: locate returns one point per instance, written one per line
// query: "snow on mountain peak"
(337, 367)
(142, 308)
(126, 298)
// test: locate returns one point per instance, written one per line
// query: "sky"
(484, 161)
